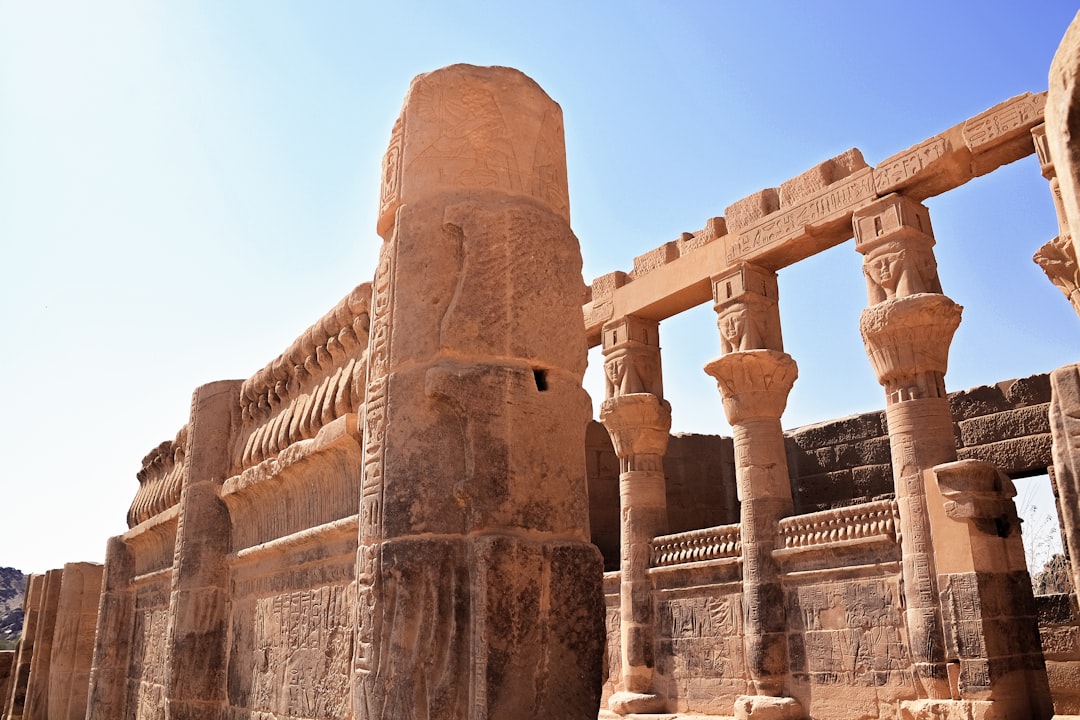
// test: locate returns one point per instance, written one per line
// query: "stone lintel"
(758, 229)
(816, 223)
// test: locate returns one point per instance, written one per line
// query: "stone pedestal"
(479, 593)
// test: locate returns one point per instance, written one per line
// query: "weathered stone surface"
(73, 640)
(1017, 456)
(1032, 420)
(475, 419)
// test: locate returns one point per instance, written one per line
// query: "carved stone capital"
(754, 383)
(976, 491)
(747, 311)
(638, 424)
(1057, 259)
(632, 357)
(895, 236)
(907, 340)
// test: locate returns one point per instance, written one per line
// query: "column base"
(765, 707)
(625, 702)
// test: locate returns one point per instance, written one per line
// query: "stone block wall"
(1059, 631)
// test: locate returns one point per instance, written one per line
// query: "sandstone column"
(907, 330)
(37, 688)
(112, 645)
(754, 376)
(638, 420)
(479, 592)
(952, 575)
(198, 602)
(73, 643)
(24, 652)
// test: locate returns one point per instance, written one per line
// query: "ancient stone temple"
(409, 514)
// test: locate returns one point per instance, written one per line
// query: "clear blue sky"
(185, 187)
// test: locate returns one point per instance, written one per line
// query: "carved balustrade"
(854, 522)
(715, 543)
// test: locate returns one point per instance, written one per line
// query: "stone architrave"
(638, 419)
(198, 603)
(73, 641)
(479, 593)
(754, 377)
(37, 688)
(24, 651)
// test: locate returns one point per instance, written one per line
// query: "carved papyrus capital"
(1057, 259)
(754, 383)
(907, 340)
(638, 424)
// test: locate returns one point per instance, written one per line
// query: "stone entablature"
(777, 227)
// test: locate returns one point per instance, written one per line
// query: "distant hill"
(12, 589)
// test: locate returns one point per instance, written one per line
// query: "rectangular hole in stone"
(540, 376)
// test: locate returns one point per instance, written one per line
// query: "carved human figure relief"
(896, 271)
(739, 330)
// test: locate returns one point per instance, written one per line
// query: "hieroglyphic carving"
(705, 637)
(301, 650)
(853, 633)
(365, 652)
(148, 655)
(832, 203)
(895, 172)
(1015, 115)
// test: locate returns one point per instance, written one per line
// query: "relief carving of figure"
(738, 331)
(631, 373)
(899, 272)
